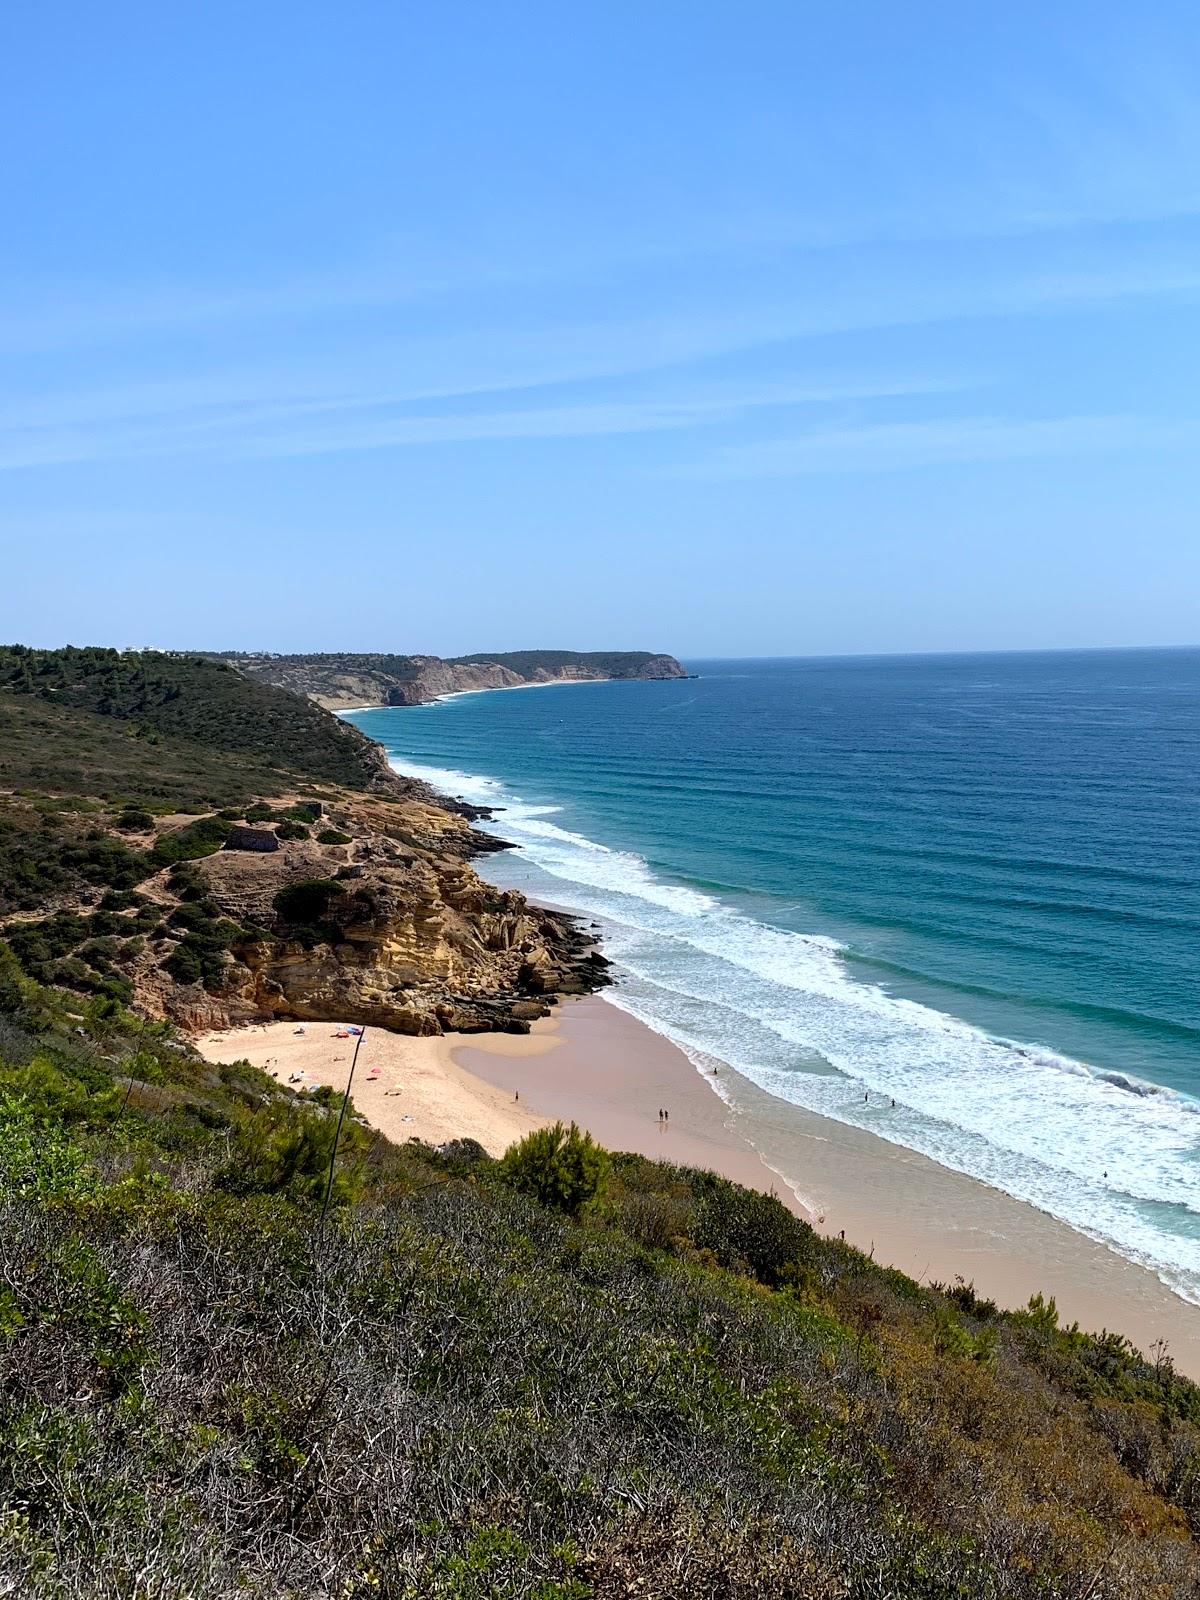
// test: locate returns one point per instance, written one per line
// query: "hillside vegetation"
(93, 744)
(604, 663)
(527, 663)
(163, 726)
(563, 1375)
(384, 662)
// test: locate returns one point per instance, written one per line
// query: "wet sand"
(611, 1074)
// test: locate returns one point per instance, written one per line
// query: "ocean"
(967, 883)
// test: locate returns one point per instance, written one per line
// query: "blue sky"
(755, 329)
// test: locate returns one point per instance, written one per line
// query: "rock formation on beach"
(340, 681)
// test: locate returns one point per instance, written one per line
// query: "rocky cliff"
(338, 682)
(360, 908)
(392, 927)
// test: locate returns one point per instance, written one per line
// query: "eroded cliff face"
(435, 677)
(395, 928)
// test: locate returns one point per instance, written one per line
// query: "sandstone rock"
(407, 936)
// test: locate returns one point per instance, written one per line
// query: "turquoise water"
(968, 883)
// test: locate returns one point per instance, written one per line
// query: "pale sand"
(407, 1088)
(600, 1067)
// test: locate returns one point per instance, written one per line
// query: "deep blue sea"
(971, 883)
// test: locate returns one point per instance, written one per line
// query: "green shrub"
(559, 1167)
(746, 1229)
(332, 836)
(184, 963)
(202, 956)
(37, 1157)
(71, 973)
(120, 900)
(36, 943)
(656, 1220)
(191, 842)
(285, 1149)
(291, 830)
(187, 882)
(308, 902)
(47, 1091)
(113, 987)
(133, 820)
(195, 915)
(464, 1153)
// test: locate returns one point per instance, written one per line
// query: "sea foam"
(1112, 1156)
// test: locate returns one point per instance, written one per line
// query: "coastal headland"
(342, 681)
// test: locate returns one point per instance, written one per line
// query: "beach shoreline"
(593, 1063)
(491, 688)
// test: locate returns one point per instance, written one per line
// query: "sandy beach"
(408, 1088)
(594, 1063)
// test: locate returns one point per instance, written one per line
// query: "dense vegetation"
(97, 749)
(88, 946)
(648, 1381)
(55, 749)
(609, 663)
(208, 734)
(384, 660)
(47, 852)
(264, 666)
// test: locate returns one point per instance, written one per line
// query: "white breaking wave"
(1114, 1157)
(591, 864)
(461, 785)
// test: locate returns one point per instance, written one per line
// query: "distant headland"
(338, 681)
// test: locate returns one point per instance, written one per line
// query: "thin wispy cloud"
(437, 290)
(509, 351)
(309, 425)
(392, 281)
(886, 447)
(252, 411)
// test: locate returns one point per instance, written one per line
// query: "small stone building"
(244, 838)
